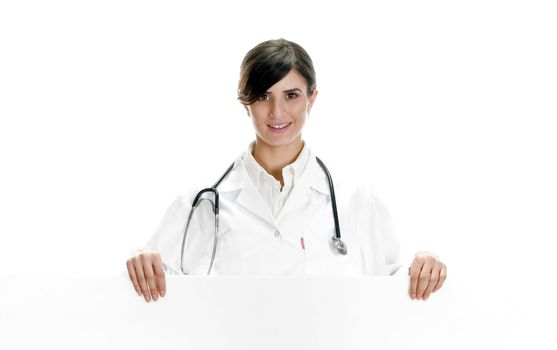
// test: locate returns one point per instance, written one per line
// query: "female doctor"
(276, 202)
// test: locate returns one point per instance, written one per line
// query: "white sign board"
(223, 313)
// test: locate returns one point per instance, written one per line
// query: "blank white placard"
(223, 313)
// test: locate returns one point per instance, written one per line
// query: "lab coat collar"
(256, 171)
(312, 179)
(239, 178)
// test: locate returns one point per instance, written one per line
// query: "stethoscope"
(336, 243)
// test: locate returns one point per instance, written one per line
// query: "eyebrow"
(286, 91)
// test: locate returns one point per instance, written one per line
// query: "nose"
(277, 108)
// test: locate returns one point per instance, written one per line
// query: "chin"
(278, 143)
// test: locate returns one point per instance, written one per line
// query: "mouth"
(279, 127)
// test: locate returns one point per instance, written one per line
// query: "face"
(279, 114)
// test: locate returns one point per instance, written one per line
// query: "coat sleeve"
(384, 244)
(391, 245)
(167, 238)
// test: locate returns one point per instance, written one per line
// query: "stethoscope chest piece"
(338, 246)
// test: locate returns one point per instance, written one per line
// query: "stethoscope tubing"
(333, 198)
(336, 242)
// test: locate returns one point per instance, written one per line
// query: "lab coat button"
(277, 233)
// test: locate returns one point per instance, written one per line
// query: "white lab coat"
(252, 242)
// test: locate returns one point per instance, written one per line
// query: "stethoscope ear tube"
(210, 189)
(215, 240)
(184, 240)
(195, 204)
(214, 206)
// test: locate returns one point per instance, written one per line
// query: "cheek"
(258, 119)
(257, 113)
(300, 111)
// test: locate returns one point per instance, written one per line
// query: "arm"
(147, 266)
(427, 272)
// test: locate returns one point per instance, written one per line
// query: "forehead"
(290, 81)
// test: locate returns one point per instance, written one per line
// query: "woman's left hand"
(427, 275)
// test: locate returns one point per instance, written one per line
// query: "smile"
(279, 127)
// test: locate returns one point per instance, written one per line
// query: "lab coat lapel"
(311, 180)
(248, 196)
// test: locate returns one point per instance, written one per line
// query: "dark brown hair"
(269, 62)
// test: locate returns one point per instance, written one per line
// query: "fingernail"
(163, 292)
(138, 293)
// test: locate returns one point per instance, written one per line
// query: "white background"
(109, 109)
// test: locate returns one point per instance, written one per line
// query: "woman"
(275, 204)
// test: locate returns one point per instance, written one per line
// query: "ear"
(312, 99)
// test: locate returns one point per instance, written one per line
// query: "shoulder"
(350, 182)
(361, 194)
(185, 197)
(359, 191)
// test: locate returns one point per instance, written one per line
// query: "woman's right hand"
(147, 275)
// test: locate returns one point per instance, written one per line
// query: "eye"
(264, 97)
(292, 95)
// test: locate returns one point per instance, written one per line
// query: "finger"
(434, 279)
(150, 277)
(133, 277)
(159, 273)
(442, 278)
(415, 269)
(423, 279)
(141, 279)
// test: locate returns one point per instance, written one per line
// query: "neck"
(274, 158)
